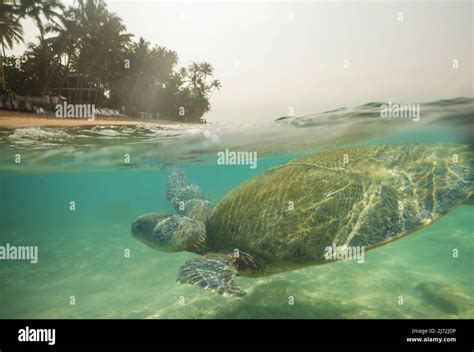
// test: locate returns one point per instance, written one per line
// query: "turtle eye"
(139, 226)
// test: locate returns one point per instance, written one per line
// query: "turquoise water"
(82, 253)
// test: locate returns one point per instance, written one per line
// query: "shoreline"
(16, 119)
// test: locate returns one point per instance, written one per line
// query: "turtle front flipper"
(186, 198)
(213, 272)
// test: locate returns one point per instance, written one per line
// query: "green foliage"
(92, 43)
(10, 27)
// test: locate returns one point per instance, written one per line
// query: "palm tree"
(215, 84)
(110, 43)
(102, 44)
(37, 9)
(89, 40)
(194, 73)
(39, 55)
(140, 52)
(198, 74)
(11, 31)
(91, 16)
(67, 41)
(206, 69)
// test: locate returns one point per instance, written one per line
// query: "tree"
(104, 44)
(41, 55)
(11, 31)
(199, 89)
(93, 43)
(38, 11)
(66, 42)
(197, 78)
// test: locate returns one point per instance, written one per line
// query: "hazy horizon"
(273, 56)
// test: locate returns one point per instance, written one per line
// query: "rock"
(446, 298)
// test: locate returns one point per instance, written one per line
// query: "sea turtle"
(288, 216)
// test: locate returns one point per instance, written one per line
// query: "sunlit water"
(82, 252)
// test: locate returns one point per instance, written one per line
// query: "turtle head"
(169, 232)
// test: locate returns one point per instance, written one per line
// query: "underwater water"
(83, 253)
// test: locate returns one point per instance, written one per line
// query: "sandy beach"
(15, 119)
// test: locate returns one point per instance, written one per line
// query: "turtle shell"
(362, 196)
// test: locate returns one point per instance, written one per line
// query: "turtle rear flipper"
(186, 198)
(212, 272)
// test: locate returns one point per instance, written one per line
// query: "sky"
(277, 58)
